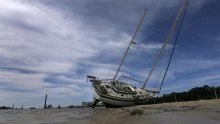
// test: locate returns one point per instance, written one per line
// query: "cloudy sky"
(49, 46)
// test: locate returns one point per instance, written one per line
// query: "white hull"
(113, 100)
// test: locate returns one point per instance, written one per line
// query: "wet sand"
(202, 112)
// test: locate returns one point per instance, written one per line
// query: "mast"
(126, 52)
(168, 39)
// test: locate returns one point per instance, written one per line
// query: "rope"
(168, 39)
(132, 41)
(161, 70)
(184, 13)
(154, 30)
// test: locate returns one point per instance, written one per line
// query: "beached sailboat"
(116, 93)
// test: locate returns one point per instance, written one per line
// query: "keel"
(95, 102)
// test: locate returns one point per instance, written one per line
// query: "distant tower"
(45, 102)
(13, 106)
(22, 107)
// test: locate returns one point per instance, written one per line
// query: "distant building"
(5, 107)
(71, 106)
(49, 106)
(87, 104)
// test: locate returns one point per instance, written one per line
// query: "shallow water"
(41, 116)
(57, 116)
(174, 113)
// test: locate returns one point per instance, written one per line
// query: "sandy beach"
(202, 112)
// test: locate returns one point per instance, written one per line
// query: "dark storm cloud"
(18, 70)
(120, 14)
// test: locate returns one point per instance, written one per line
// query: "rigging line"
(187, 2)
(161, 70)
(159, 76)
(115, 67)
(171, 33)
(132, 41)
(155, 30)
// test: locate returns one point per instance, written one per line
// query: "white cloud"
(40, 39)
(188, 64)
(25, 81)
(148, 48)
(52, 67)
(189, 73)
(196, 81)
(218, 39)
